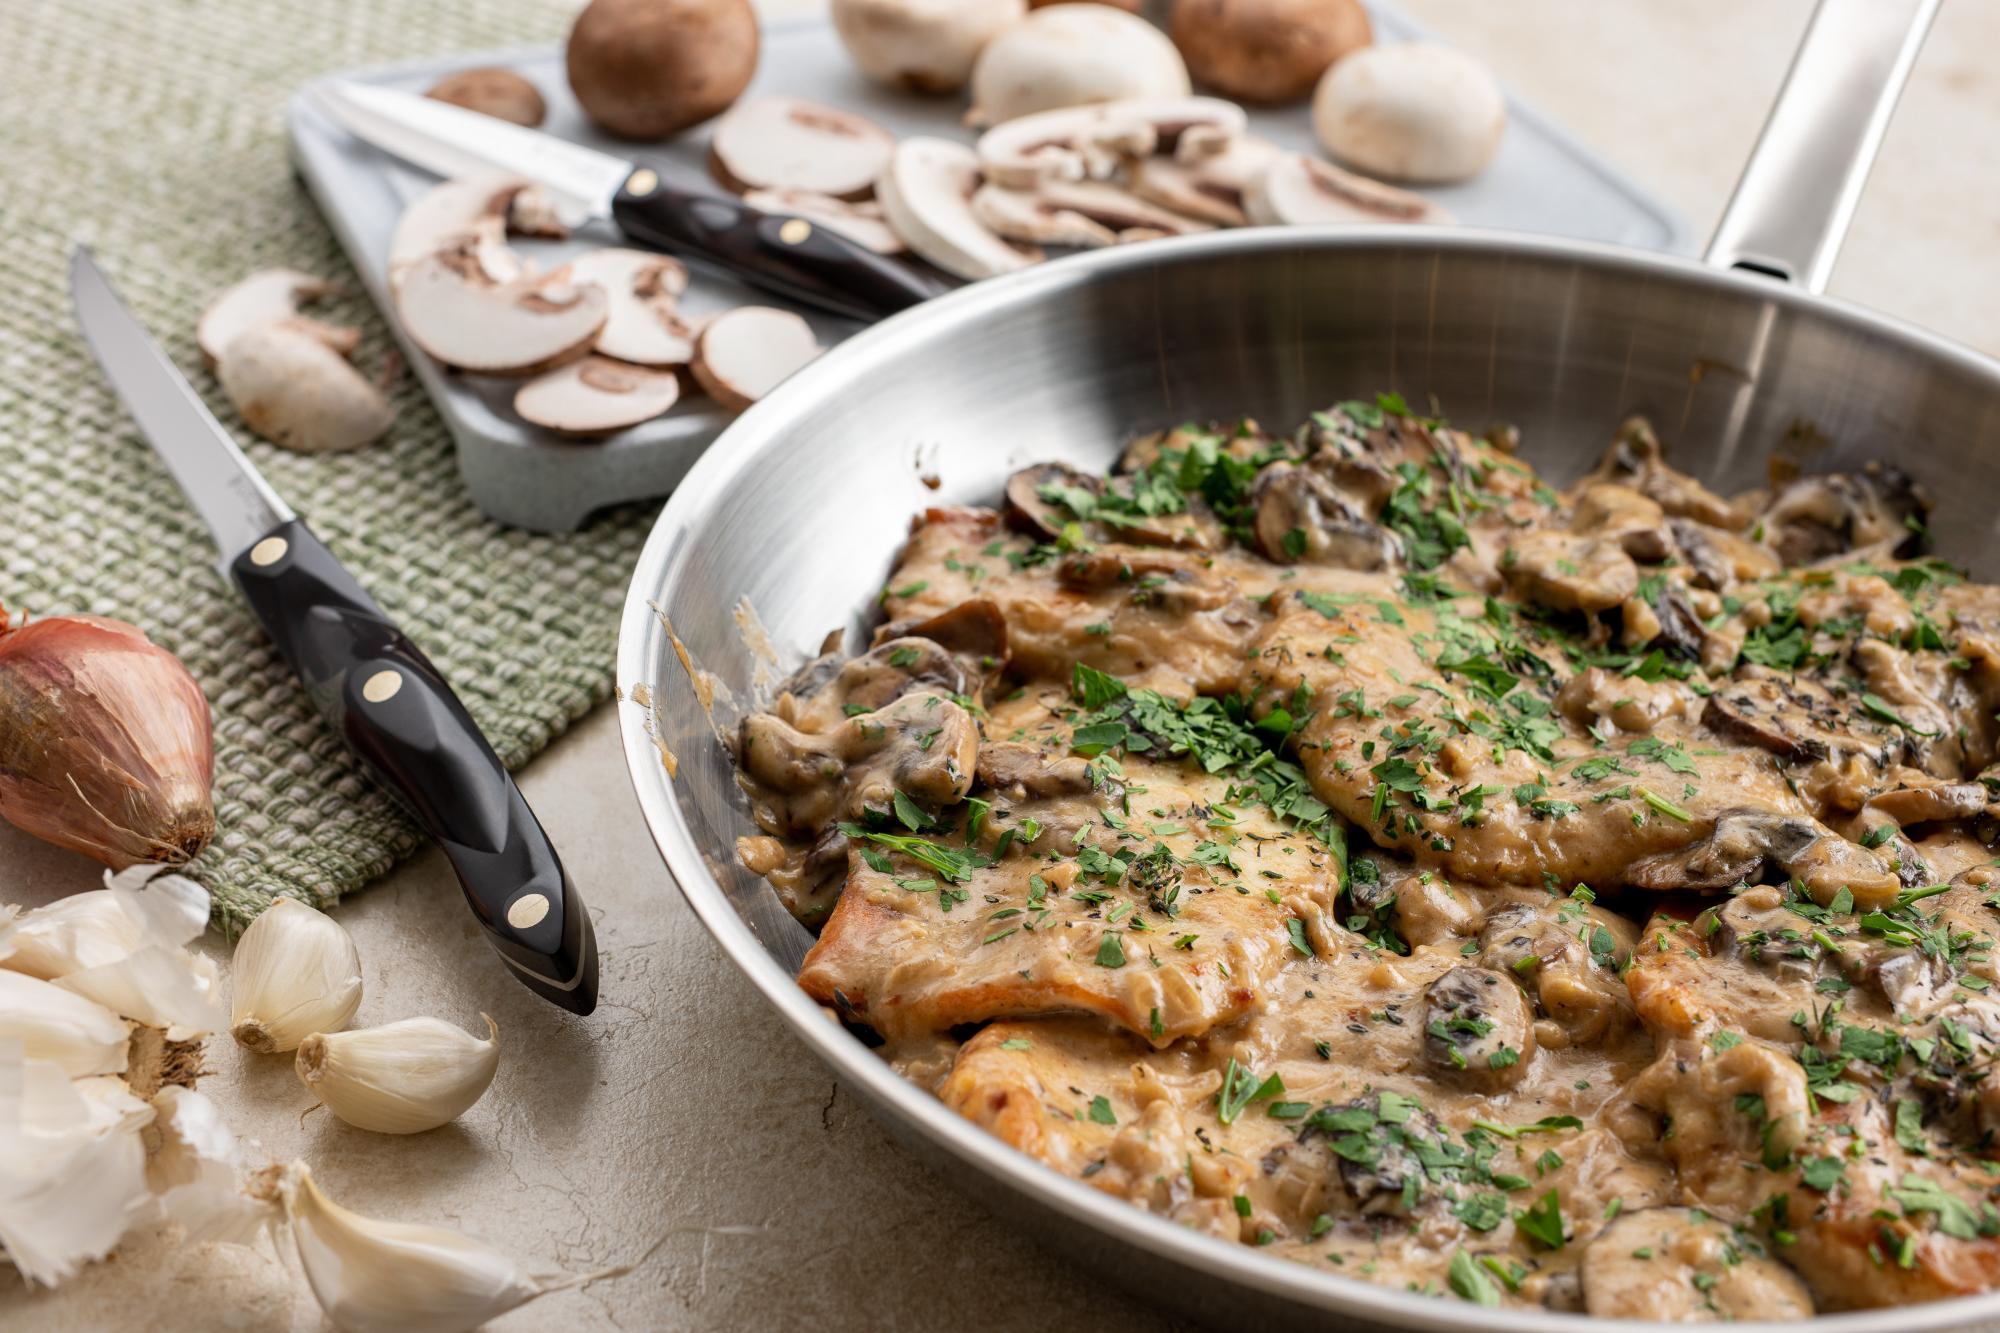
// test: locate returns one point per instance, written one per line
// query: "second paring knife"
(787, 255)
(375, 687)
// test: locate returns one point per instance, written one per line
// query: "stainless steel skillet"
(801, 507)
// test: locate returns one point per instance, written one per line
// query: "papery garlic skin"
(197, 1172)
(396, 1277)
(400, 1078)
(72, 1167)
(295, 972)
(78, 1035)
(105, 742)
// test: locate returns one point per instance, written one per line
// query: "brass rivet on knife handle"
(642, 182)
(383, 686)
(795, 231)
(528, 910)
(269, 552)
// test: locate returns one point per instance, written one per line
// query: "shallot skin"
(105, 742)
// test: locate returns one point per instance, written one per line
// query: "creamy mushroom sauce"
(1347, 845)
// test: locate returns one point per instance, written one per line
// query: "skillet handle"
(1797, 194)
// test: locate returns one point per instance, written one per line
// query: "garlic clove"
(400, 1078)
(72, 1167)
(295, 973)
(79, 1035)
(400, 1277)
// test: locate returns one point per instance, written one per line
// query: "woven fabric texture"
(152, 130)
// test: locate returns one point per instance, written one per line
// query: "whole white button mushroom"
(1412, 111)
(1073, 55)
(921, 46)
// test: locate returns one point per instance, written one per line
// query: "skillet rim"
(750, 439)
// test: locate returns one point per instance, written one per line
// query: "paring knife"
(784, 254)
(380, 693)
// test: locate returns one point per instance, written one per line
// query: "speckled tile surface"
(681, 1129)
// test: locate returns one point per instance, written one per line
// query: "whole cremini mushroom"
(644, 69)
(1072, 55)
(921, 46)
(1266, 50)
(492, 92)
(1412, 111)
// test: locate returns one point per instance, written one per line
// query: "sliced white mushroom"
(645, 325)
(786, 143)
(862, 223)
(295, 390)
(926, 194)
(596, 396)
(1085, 213)
(486, 205)
(1297, 189)
(745, 353)
(1412, 111)
(920, 46)
(1210, 188)
(1095, 142)
(267, 297)
(1072, 55)
(456, 312)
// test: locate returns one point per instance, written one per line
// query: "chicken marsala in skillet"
(1348, 845)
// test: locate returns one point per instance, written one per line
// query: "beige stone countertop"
(681, 1128)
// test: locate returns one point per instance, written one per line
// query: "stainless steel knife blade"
(452, 141)
(232, 498)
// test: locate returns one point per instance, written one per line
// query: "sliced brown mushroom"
(976, 630)
(455, 311)
(1078, 213)
(1034, 499)
(1303, 518)
(1096, 142)
(491, 91)
(926, 195)
(485, 207)
(787, 143)
(745, 353)
(644, 324)
(1570, 965)
(1747, 844)
(1478, 1030)
(1623, 515)
(1296, 189)
(294, 389)
(1637, 459)
(596, 396)
(1832, 514)
(1664, 1264)
(1379, 1180)
(1930, 803)
(1566, 572)
(1018, 771)
(863, 223)
(1792, 717)
(1757, 928)
(267, 297)
(922, 745)
(1717, 558)
(1211, 187)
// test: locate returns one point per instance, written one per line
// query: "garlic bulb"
(72, 1167)
(78, 1035)
(400, 1277)
(105, 745)
(296, 973)
(400, 1078)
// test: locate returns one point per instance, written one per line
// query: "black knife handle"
(389, 703)
(788, 255)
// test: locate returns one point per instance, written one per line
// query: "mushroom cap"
(644, 325)
(457, 313)
(788, 143)
(645, 69)
(1070, 55)
(596, 396)
(926, 195)
(492, 91)
(745, 353)
(267, 297)
(1266, 50)
(860, 222)
(1299, 190)
(1412, 111)
(920, 46)
(1096, 142)
(294, 390)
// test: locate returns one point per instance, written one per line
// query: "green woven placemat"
(153, 131)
